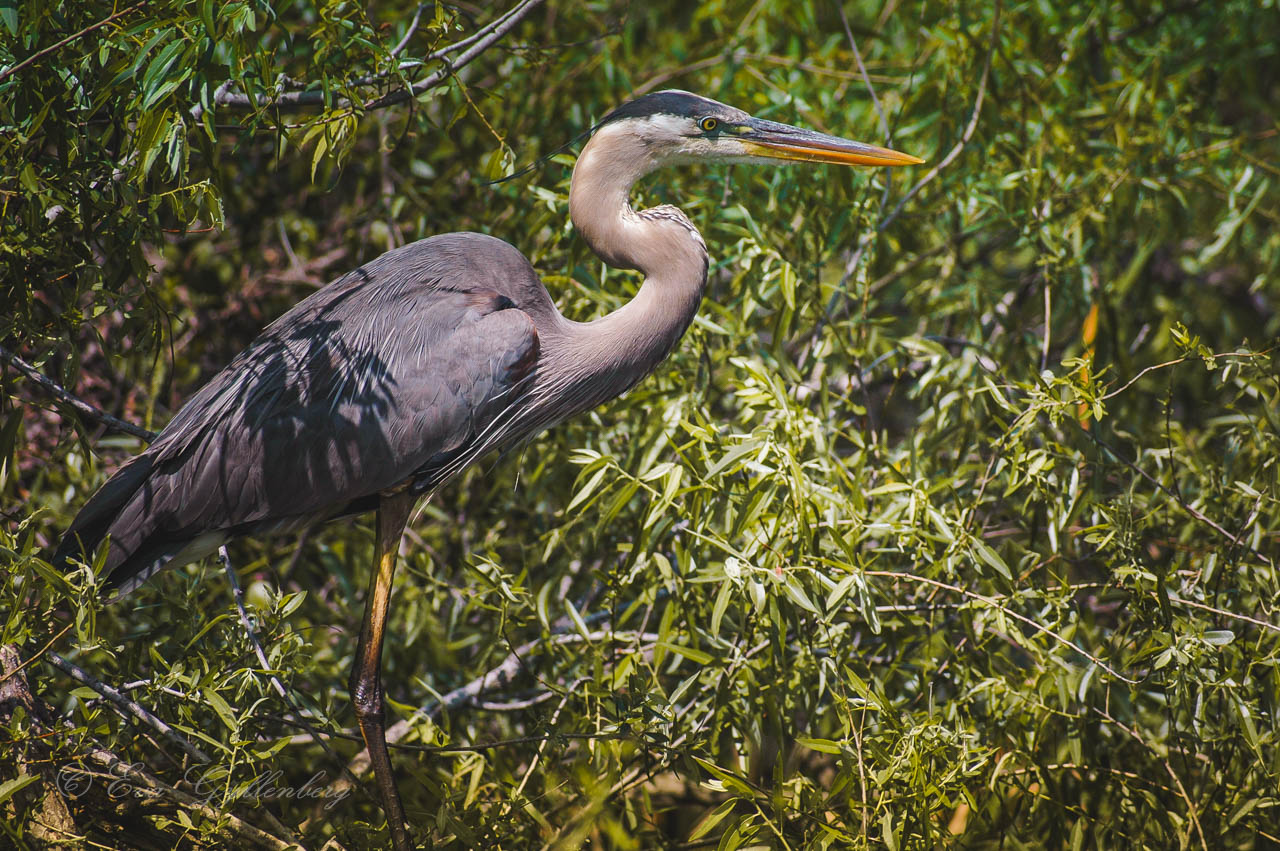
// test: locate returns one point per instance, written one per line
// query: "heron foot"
(371, 717)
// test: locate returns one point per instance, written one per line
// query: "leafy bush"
(952, 522)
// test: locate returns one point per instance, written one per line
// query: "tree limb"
(79, 405)
(475, 44)
(127, 705)
(498, 675)
(1177, 498)
(51, 48)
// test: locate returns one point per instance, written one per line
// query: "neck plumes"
(614, 352)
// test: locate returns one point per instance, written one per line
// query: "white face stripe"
(670, 125)
(676, 139)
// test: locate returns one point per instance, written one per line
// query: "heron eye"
(708, 125)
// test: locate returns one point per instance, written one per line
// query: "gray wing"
(379, 380)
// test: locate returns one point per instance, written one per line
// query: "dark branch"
(474, 45)
(127, 706)
(75, 402)
(51, 48)
(1175, 496)
(238, 596)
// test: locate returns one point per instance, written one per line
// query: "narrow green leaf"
(692, 654)
(721, 604)
(798, 596)
(221, 707)
(714, 818)
(9, 15)
(9, 788)
(992, 558)
(887, 832)
(820, 745)
(584, 493)
(732, 457)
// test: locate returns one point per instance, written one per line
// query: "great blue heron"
(374, 390)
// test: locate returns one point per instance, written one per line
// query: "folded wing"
(378, 381)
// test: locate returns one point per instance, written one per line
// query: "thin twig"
(1048, 327)
(127, 705)
(1182, 790)
(1198, 515)
(142, 780)
(991, 601)
(1227, 143)
(866, 78)
(51, 48)
(79, 405)
(1182, 601)
(864, 242)
(964, 137)
(298, 709)
(39, 653)
(551, 724)
(519, 11)
(479, 42)
(238, 595)
(1176, 361)
(510, 667)
(515, 705)
(408, 34)
(875, 100)
(355, 736)
(500, 29)
(502, 673)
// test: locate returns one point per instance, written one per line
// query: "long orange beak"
(784, 142)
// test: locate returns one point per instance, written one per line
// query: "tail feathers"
(97, 516)
(114, 511)
(123, 510)
(155, 556)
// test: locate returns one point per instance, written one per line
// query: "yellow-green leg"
(366, 678)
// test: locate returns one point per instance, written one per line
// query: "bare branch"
(1177, 498)
(75, 402)
(298, 710)
(145, 781)
(996, 604)
(497, 31)
(964, 136)
(510, 667)
(515, 705)
(512, 16)
(238, 595)
(71, 779)
(504, 672)
(15, 671)
(51, 48)
(1222, 613)
(1182, 790)
(533, 763)
(408, 34)
(1183, 359)
(866, 78)
(475, 44)
(127, 705)
(864, 242)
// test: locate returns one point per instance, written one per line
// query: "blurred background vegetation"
(953, 522)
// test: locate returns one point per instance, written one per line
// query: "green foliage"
(952, 522)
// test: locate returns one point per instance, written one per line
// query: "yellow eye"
(708, 124)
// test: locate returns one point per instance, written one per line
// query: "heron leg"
(366, 678)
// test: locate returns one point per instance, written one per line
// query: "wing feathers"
(365, 385)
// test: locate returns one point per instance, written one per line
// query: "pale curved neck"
(612, 353)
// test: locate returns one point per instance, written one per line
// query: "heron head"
(676, 126)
